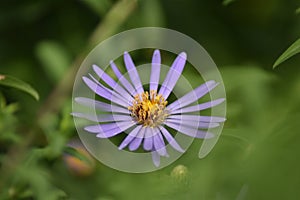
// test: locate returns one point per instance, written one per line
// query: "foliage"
(10, 81)
(291, 51)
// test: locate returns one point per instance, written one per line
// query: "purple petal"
(170, 139)
(113, 93)
(193, 96)
(103, 117)
(155, 70)
(155, 158)
(136, 142)
(200, 118)
(189, 131)
(193, 124)
(198, 107)
(173, 75)
(105, 77)
(148, 140)
(164, 150)
(121, 127)
(112, 83)
(100, 105)
(159, 144)
(130, 137)
(104, 92)
(127, 85)
(110, 129)
(133, 74)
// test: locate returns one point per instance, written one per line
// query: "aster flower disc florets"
(149, 110)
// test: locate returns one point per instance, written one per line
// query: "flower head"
(149, 110)
(147, 114)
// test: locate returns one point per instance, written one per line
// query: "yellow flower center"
(149, 110)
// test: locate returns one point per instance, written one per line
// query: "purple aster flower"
(147, 114)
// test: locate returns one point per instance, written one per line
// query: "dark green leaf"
(291, 51)
(2, 101)
(227, 2)
(99, 6)
(54, 58)
(18, 84)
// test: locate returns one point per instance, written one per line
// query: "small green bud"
(180, 173)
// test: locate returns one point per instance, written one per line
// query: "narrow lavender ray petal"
(108, 132)
(194, 124)
(113, 132)
(109, 129)
(198, 107)
(104, 76)
(200, 118)
(171, 140)
(155, 70)
(98, 128)
(148, 140)
(111, 82)
(137, 141)
(101, 105)
(159, 145)
(127, 85)
(103, 117)
(133, 73)
(114, 94)
(115, 69)
(189, 131)
(102, 128)
(96, 88)
(103, 93)
(130, 137)
(162, 140)
(212, 119)
(155, 158)
(173, 75)
(193, 96)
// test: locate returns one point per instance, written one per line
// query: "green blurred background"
(258, 155)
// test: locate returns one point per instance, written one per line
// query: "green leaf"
(99, 6)
(2, 101)
(291, 51)
(55, 59)
(13, 82)
(227, 2)
(297, 11)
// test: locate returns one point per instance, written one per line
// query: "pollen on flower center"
(148, 110)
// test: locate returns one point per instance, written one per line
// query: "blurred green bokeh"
(257, 157)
